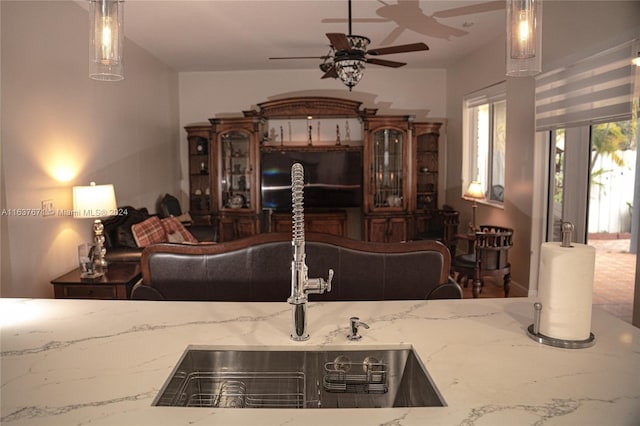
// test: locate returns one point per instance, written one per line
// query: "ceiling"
(230, 35)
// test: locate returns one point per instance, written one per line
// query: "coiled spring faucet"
(301, 284)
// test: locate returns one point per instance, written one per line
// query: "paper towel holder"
(533, 331)
(567, 233)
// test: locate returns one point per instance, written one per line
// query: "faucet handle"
(329, 278)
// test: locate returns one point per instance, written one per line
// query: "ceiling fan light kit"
(106, 23)
(524, 37)
(348, 56)
(350, 71)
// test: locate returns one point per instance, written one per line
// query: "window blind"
(596, 89)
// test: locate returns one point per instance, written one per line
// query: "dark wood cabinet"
(201, 171)
(116, 283)
(401, 170)
(387, 189)
(334, 223)
(426, 151)
(386, 228)
(237, 180)
(237, 225)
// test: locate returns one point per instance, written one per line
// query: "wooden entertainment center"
(399, 167)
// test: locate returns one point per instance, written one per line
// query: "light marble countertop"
(89, 362)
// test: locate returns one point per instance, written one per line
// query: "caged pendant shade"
(524, 37)
(106, 39)
(350, 71)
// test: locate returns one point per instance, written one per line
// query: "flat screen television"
(332, 179)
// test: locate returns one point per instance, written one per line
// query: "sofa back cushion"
(258, 269)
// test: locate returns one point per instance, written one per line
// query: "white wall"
(61, 129)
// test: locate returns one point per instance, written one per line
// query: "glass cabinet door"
(427, 173)
(388, 168)
(236, 168)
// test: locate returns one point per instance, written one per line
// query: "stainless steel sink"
(326, 378)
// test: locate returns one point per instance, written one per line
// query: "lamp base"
(98, 232)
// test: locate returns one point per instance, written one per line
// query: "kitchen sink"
(316, 378)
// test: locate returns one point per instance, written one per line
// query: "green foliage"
(607, 139)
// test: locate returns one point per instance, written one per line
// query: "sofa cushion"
(149, 232)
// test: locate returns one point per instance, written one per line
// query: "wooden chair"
(443, 227)
(490, 258)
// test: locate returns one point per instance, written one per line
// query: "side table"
(116, 283)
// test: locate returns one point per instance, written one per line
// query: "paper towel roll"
(565, 289)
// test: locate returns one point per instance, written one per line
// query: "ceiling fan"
(348, 54)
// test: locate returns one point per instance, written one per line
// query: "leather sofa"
(258, 269)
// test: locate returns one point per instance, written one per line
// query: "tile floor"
(613, 279)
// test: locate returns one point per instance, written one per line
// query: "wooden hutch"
(399, 172)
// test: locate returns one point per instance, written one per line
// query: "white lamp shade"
(474, 192)
(94, 201)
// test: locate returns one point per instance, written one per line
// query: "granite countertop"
(80, 362)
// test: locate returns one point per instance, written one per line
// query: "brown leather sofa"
(258, 269)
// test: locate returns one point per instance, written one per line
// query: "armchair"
(490, 258)
(443, 227)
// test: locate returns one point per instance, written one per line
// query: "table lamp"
(474, 193)
(95, 201)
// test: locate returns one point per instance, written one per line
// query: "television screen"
(332, 179)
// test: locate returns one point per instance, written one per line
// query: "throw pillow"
(176, 237)
(149, 232)
(172, 226)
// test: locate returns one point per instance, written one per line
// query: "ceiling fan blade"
(301, 57)
(468, 10)
(331, 73)
(385, 63)
(339, 41)
(413, 47)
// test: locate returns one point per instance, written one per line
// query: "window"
(586, 109)
(485, 118)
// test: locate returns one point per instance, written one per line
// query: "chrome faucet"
(301, 284)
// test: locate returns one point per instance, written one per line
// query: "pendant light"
(105, 44)
(524, 37)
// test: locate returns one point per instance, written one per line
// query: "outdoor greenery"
(607, 139)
